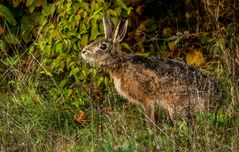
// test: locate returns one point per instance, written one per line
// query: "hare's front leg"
(149, 111)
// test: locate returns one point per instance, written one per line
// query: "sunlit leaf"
(58, 47)
(31, 8)
(71, 64)
(74, 71)
(86, 6)
(124, 6)
(111, 12)
(83, 29)
(195, 57)
(117, 11)
(94, 28)
(84, 40)
(38, 18)
(75, 6)
(50, 10)
(31, 49)
(125, 45)
(77, 19)
(100, 81)
(47, 73)
(63, 82)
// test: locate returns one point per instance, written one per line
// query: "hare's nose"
(84, 51)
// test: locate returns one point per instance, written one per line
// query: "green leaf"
(83, 29)
(78, 103)
(84, 72)
(38, 19)
(74, 71)
(48, 10)
(31, 8)
(84, 40)
(47, 73)
(129, 10)
(63, 82)
(76, 7)
(71, 64)
(7, 14)
(29, 2)
(125, 45)
(31, 49)
(94, 28)
(117, 11)
(111, 12)
(124, 6)
(100, 81)
(58, 47)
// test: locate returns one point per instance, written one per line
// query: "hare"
(177, 87)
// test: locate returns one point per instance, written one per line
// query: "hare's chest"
(123, 91)
(117, 84)
(118, 87)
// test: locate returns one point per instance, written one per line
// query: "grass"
(29, 122)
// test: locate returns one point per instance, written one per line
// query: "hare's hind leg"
(149, 111)
(182, 113)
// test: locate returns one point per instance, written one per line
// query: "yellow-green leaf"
(84, 40)
(195, 57)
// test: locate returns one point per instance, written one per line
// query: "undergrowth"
(31, 122)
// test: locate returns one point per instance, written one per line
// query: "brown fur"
(176, 87)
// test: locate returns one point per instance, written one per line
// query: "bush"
(50, 40)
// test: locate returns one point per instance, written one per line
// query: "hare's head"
(104, 52)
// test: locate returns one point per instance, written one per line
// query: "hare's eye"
(103, 46)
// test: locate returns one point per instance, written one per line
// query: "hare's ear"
(107, 26)
(120, 31)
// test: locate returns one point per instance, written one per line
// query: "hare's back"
(178, 73)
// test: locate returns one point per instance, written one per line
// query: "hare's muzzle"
(84, 51)
(83, 54)
(86, 55)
